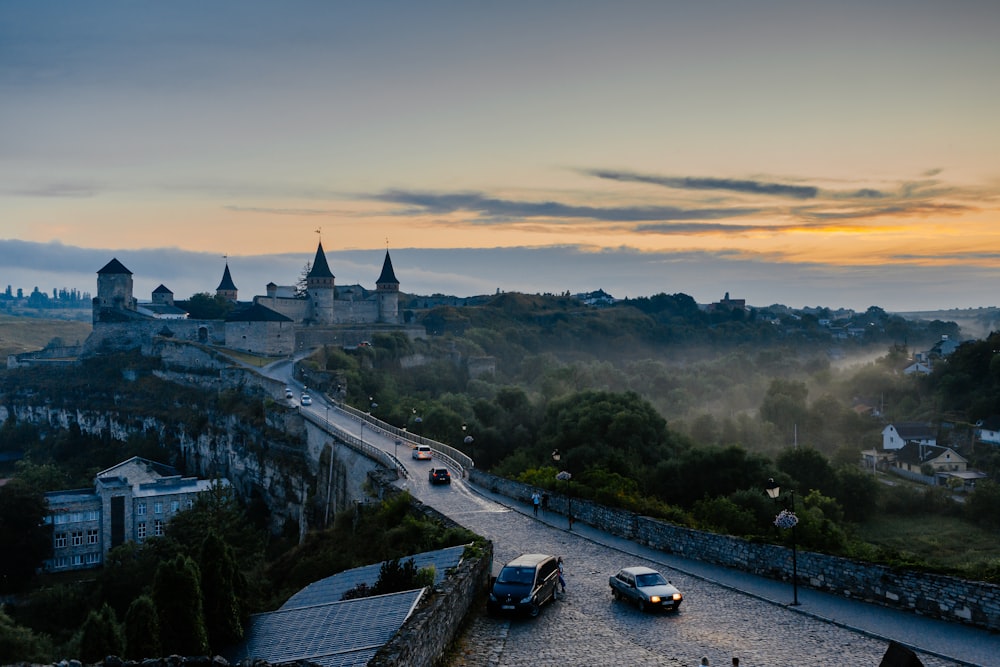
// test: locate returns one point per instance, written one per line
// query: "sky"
(840, 154)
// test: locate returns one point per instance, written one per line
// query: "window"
(157, 508)
(158, 527)
(76, 538)
(140, 509)
(93, 558)
(175, 505)
(92, 536)
(190, 503)
(78, 560)
(60, 540)
(140, 531)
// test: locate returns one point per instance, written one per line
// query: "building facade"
(131, 501)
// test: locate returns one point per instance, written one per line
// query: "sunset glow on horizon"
(752, 136)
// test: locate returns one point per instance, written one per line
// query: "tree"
(100, 636)
(784, 405)
(221, 585)
(19, 645)
(205, 306)
(809, 468)
(142, 630)
(177, 597)
(26, 539)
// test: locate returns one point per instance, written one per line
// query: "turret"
(321, 288)
(114, 289)
(226, 288)
(387, 287)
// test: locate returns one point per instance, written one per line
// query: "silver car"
(646, 587)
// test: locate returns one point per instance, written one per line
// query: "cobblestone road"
(586, 627)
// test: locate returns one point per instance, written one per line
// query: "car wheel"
(642, 605)
(615, 594)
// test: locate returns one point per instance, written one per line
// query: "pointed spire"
(227, 283)
(388, 276)
(320, 269)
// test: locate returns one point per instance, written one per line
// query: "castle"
(280, 322)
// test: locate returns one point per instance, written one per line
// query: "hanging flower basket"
(786, 520)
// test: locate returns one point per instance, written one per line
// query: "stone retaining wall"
(947, 598)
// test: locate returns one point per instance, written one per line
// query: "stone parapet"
(937, 596)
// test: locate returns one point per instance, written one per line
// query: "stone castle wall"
(937, 596)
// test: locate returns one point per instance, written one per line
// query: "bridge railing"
(360, 445)
(454, 457)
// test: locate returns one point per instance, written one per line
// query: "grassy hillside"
(27, 334)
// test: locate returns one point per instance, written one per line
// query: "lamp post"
(469, 442)
(787, 519)
(564, 476)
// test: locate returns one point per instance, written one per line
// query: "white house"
(896, 436)
(988, 430)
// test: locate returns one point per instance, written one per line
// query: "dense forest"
(654, 404)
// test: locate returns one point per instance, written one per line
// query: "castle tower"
(387, 287)
(226, 288)
(114, 289)
(321, 289)
(163, 296)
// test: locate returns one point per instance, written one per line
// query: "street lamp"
(786, 519)
(564, 476)
(469, 441)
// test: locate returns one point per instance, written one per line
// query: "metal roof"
(332, 588)
(336, 634)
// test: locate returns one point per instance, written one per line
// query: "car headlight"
(655, 599)
(678, 597)
(527, 600)
(493, 598)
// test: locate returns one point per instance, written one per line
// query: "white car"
(306, 399)
(288, 392)
(422, 453)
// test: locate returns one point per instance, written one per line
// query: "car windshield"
(653, 579)
(516, 575)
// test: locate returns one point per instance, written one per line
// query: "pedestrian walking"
(736, 662)
(704, 662)
(536, 500)
(562, 581)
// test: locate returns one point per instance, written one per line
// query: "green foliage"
(20, 645)
(177, 596)
(26, 539)
(205, 306)
(983, 504)
(395, 576)
(222, 590)
(808, 468)
(100, 636)
(708, 472)
(142, 630)
(360, 536)
(722, 515)
(857, 492)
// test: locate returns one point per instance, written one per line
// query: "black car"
(439, 476)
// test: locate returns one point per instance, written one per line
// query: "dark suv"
(524, 585)
(439, 476)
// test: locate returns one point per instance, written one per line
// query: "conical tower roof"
(227, 281)
(388, 276)
(320, 269)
